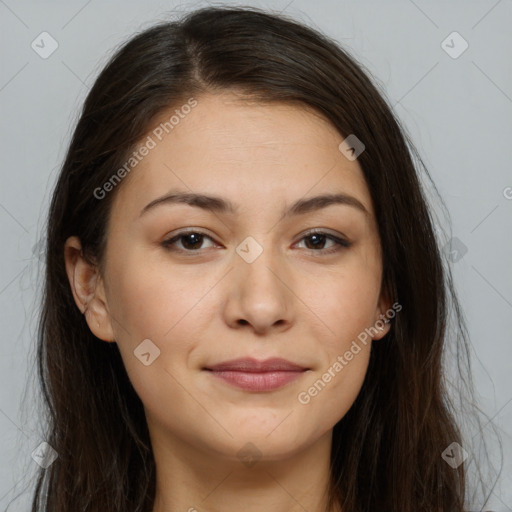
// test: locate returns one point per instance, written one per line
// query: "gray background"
(457, 110)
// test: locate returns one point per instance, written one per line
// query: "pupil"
(318, 238)
(190, 236)
(191, 240)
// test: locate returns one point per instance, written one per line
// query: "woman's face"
(252, 283)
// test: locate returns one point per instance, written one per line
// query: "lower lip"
(264, 381)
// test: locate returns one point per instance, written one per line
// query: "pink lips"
(254, 375)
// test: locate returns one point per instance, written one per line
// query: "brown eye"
(316, 242)
(191, 241)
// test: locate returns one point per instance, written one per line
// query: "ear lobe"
(98, 320)
(383, 326)
(87, 288)
(382, 322)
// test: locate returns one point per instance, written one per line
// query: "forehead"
(269, 154)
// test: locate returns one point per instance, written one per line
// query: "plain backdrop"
(455, 101)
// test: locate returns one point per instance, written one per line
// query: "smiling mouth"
(257, 381)
(258, 376)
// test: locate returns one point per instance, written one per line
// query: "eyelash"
(340, 242)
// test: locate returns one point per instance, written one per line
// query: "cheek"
(151, 299)
(332, 393)
(168, 307)
(354, 311)
(345, 301)
(149, 305)
(333, 388)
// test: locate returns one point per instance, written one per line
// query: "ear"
(382, 321)
(88, 290)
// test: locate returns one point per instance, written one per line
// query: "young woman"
(246, 304)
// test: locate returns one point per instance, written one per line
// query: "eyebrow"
(216, 204)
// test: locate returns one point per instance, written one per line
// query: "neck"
(194, 479)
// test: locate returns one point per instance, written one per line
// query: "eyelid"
(324, 231)
(169, 240)
(341, 241)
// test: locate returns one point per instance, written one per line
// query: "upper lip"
(253, 365)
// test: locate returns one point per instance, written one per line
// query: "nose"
(258, 295)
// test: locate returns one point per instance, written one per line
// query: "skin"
(200, 308)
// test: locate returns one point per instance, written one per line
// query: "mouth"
(258, 376)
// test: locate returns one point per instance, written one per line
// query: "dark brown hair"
(386, 453)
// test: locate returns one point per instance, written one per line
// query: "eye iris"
(320, 240)
(196, 240)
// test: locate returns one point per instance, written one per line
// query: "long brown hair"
(386, 452)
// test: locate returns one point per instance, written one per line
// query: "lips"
(253, 365)
(253, 375)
